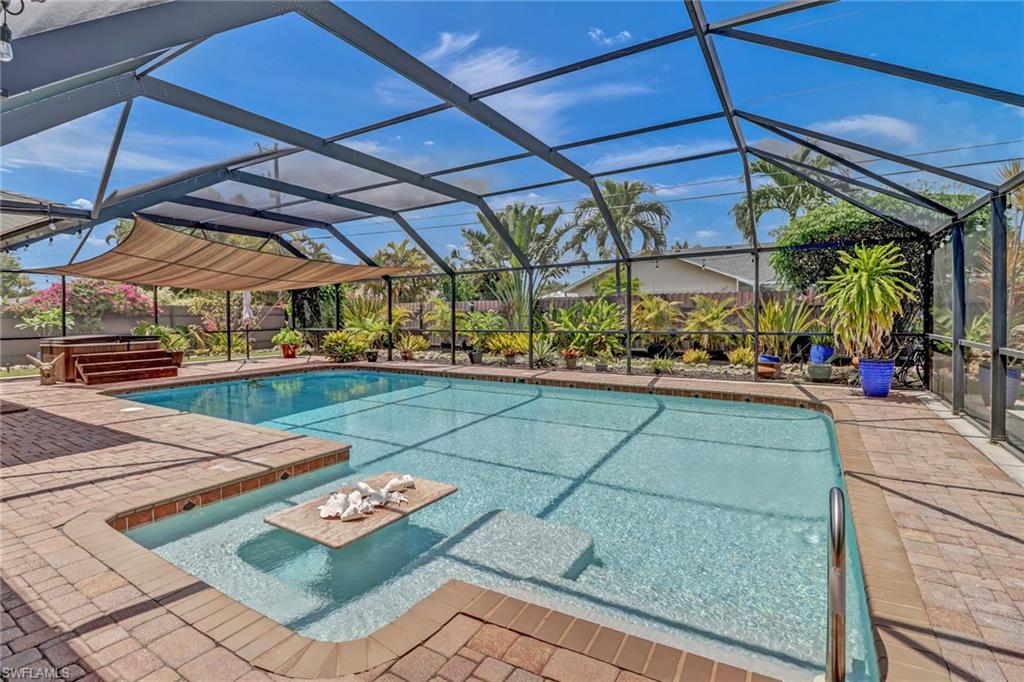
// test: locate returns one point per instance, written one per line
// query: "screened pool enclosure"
(526, 159)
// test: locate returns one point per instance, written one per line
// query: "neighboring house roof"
(739, 266)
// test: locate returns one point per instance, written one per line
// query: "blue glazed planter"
(1013, 383)
(876, 377)
(821, 354)
(769, 359)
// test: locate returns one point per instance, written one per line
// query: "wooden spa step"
(129, 365)
(117, 356)
(119, 375)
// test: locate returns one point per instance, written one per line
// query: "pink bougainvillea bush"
(88, 300)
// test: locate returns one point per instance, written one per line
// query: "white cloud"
(599, 37)
(655, 153)
(81, 146)
(82, 202)
(538, 108)
(896, 129)
(428, 143)
(706, 234)
(449, 44)
(663, 191)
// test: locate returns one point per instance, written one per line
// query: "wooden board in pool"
(304, 519)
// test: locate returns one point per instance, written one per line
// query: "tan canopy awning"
(156, 255)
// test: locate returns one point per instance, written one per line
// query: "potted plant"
(176, 344)
(571, 357)
(1013, 376)
(476, 322)
(289, 340)
(821, 349)
(343, 346)
(603, 359)
(372, 354)
(819, 372)
(769, 366)
(409, 344)
(862, 299)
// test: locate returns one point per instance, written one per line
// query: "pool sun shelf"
(304, 519)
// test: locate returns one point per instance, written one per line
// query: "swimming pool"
(694, 522)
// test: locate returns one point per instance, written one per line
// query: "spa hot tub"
(90, 344)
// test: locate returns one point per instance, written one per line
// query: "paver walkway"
(960, 523)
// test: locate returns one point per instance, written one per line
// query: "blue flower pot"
(876, 377)
(769, 359)
(821, 354)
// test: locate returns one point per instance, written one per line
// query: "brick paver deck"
(941, 530)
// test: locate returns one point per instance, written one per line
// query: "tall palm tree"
(633, 215)
(783, 191)
(539, 234)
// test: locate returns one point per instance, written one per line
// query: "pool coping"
(904, 639)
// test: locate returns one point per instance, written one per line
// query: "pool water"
(694, 522)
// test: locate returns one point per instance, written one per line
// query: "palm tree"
(404, 254)
(539, 234)
(783, 191)
(633, 215)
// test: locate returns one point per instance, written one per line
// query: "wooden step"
(94, 367)
(117, 376)
(116, 356)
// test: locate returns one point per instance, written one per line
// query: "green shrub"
(544, 353)
(411, 343)
(661, 365)
(287, 337)
(343, 346)
(696, 356)
(741, 356)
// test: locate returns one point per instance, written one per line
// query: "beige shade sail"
(157, 255)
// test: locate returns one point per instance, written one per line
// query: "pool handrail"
(835, 654)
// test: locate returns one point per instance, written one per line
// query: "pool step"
(116, 376)
(128, 365)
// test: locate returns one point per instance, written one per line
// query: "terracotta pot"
(767, 370)
(408, 355)
(288, 350)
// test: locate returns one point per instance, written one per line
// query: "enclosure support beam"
(769, 124)
(451, 310)
(757, 310)
(529, 317)
(831, 190)
(997, 422)
(959, 316)
(340, 23)
(337, 307)
(156, 304)
(707, 47)
(227, 319)
(967, 87)
(115, 145)
(928, 320)
(391, 319)
(629, 317)
(63, 305)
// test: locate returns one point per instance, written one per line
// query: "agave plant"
(709, 314)
(544, 353)
(864, 295)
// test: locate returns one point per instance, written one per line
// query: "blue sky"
(291, 70)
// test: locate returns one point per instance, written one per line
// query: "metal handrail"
(835, 653)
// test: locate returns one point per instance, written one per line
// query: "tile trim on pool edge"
(905, 642)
